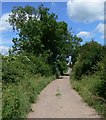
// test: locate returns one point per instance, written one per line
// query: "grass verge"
(86, 87)
(17, 98)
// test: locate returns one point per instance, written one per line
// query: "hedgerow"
(90, 55)
(89, 75)
(23, 79)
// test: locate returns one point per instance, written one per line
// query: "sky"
(85, 18)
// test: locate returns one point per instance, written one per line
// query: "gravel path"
(59, 100)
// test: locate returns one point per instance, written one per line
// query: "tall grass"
(87, 88)
(23, 78)
(18, 98)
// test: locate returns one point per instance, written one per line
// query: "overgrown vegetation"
(89, 56)
(22, 84)
(30, 65)
(89, 75)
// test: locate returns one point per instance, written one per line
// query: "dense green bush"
(63, 66)
(14, 67)
(23, 78)
(87, 88)
(17, 98)
(90, 69)
(90, 54)
(101, 90)
(12, 71)
(33, 53)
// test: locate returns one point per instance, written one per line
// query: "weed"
(58, 93)
(87, 89)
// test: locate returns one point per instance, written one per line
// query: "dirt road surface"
(59, 100)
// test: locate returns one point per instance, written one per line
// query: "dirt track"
(59, 100)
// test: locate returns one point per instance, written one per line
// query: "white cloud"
(4, 50)
(83, 34)
(99, 29)
(4, 26)
(88, 11)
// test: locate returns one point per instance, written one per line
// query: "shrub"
(15, 102)
(90, 54)
(14, 67)
(12, 71)
(87, 88)
(101, 90)
(22, 82)
(92, 84)
(17, 98)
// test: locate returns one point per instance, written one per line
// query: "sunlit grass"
(18, 98)
(86, 87)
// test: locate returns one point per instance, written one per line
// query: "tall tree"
(39, 32)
